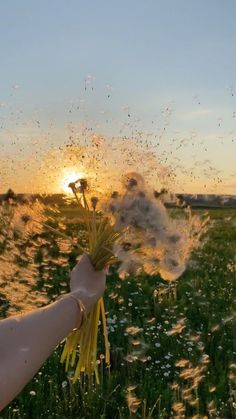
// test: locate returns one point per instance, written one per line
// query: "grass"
(192, 320)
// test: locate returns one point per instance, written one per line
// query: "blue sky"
(143, 56)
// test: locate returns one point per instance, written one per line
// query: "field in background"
(173, 348)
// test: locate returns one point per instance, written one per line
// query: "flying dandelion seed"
(132, 330)
(133, 402)
(178, 328)
(22, 225)
(152, 242)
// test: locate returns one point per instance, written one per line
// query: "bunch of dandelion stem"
(101, 238)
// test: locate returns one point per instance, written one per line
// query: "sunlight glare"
(70, 175)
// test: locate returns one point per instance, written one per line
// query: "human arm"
(26, 341)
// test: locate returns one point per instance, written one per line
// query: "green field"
(181, 359)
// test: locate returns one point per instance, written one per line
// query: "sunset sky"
(164, 69)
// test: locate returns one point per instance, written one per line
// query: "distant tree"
(181, 198)
(10, 195)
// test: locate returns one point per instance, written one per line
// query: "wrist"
(87, 302)
(78, 305)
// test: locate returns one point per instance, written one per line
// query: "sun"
(70, 175)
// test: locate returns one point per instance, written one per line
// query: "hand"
(87, 284)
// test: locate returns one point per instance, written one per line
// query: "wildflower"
(64, 384)
(32, 393)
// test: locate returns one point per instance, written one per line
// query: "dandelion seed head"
(82, 184)
(151, 241)
(72, 186)
(94, 201)
(25, 218)
(133, 181)
(115, 195)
